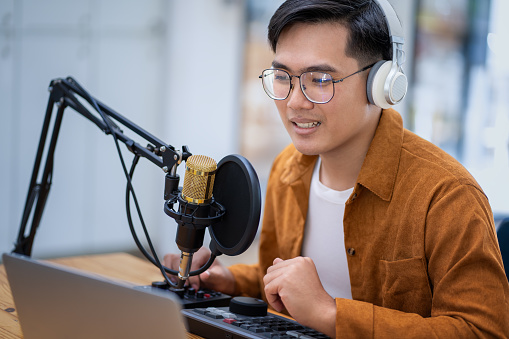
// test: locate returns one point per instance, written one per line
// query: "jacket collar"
(380, 167)
(297, 166)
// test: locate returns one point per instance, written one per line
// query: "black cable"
(154, 259)
(137, 241)
(130, 190)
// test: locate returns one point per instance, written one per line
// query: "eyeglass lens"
(316, 86)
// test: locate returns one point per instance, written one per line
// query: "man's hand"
(217, 277)
(294, 284)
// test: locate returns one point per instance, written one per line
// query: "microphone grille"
(199, 179)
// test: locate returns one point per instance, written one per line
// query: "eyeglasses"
(318, 87)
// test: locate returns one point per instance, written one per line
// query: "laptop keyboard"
(220, 322)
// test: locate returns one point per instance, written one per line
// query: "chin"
(309, 144)
(306, 149)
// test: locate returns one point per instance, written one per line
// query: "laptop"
(54, 301)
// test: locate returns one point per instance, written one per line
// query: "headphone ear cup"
(376, 82)
(398, 87)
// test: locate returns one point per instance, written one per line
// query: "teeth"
(308, 124)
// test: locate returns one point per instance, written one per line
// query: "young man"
(368, 230)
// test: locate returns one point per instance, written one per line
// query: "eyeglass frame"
(300, 82)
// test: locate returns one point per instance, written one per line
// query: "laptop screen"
(54, 301)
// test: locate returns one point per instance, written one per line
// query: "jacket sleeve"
(470, 292)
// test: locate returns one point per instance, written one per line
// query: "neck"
(341, 167)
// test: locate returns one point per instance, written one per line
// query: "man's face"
(345, 123)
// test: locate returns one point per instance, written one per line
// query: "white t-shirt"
(324, 238)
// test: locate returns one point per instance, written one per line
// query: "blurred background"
(187, 72)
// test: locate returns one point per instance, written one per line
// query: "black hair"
(368, 40)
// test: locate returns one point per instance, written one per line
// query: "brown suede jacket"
(422, 251)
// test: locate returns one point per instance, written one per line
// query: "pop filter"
(237, 189)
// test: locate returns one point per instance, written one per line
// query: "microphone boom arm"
(67, 93)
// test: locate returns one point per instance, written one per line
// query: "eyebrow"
(313, 68)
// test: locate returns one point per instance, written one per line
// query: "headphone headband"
(387, 84)
(393, 23)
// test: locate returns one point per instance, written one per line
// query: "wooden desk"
(118, 265)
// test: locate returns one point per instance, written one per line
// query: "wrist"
(324, 319)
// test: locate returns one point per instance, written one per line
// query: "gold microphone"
(199, 179)
(196, 197)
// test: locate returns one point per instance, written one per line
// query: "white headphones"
(387, 84)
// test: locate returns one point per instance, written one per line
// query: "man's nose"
(296, 98)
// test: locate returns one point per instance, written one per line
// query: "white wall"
(203, 72)
(159, 63)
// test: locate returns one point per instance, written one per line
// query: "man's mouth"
(308, 124)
